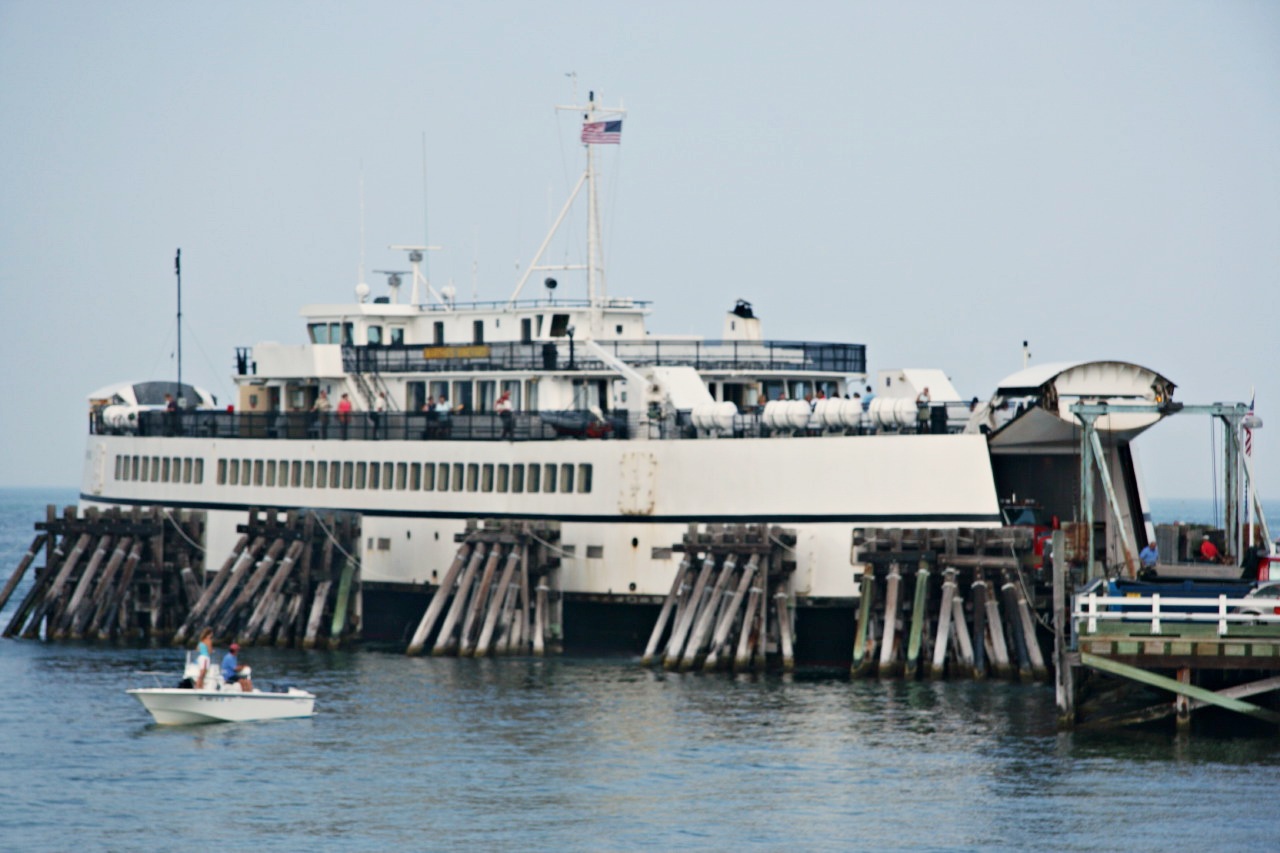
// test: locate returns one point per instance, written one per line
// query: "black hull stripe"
(738, 518)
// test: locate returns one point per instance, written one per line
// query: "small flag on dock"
(602, 132)
(1248, 429)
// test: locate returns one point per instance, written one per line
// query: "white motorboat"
(219, 701)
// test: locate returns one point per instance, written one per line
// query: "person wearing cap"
(1208, 551)
(234, 672)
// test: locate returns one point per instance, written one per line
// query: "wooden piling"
(980, 592)
(471, 624)
(232, 612)
(784, 631)
(668, 606)
(446, 642)
(213, 585)
(317, 613)
(104, 621)
(67, 614)
(995, 636)
(50, 598)
(341, 606)
(749, 632)
(889, 666)
(720, 639)
(964, 645)
(1010, 597)
(497, 603)
(12, 583)
(937, 667)
(706, 616)
(675, 648)
(540, 615)
(442, 593)
(258, 621)
(864, 636)
(919, 604)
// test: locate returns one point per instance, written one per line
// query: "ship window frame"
(309, 477)
(473, 476)
(566, 478)
(134, 475)
(233, 471)
(442, 477)
(257, 472)
(549, 479)
(486, 477)
(295, 473)
(428, 476)
(388, 475)
(458, 477)
(504, 477)
(415, 476)
(375, 475)
(197, 473)
(534, 483)
(517, 478)
(222, 471)
(335, 474)
(269, 475)
(118, 465)
(348, 474)
(186, 470)
(585, 474)
(322, 473)
(362, 474)
(165, 469)
(155, 469)
(282, 474)
(402, 475)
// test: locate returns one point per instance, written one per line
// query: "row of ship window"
(565, 478)
(160, 469)
(533, 477)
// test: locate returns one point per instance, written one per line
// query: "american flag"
(1248, 430)
(602, 132)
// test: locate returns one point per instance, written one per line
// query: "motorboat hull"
(172, 706)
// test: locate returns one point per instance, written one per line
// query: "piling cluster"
(490, 611)
(717, 616)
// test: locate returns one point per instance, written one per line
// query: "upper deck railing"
(841, 359)
(479, 426)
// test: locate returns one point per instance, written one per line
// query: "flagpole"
(177, 271)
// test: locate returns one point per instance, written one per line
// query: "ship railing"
(468, 426)
(841, 359)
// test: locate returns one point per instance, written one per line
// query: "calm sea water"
(590, 754)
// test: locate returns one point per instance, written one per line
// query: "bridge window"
(374, 336)
(438, 333)
(477, 331)
(397, 335)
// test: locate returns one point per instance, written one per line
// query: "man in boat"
(1208, 551)
(234, 672)
(204, 656)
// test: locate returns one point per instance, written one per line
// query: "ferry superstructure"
(622, 436)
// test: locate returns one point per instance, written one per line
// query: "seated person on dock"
(234, 672)
(1208, 551)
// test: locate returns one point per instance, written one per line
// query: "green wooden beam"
(1124, 670)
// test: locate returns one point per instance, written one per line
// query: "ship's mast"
(596, 287)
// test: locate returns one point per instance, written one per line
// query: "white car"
(1263, 599)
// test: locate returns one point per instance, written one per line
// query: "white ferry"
(622, 435)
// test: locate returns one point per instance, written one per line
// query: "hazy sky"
(938, 181)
